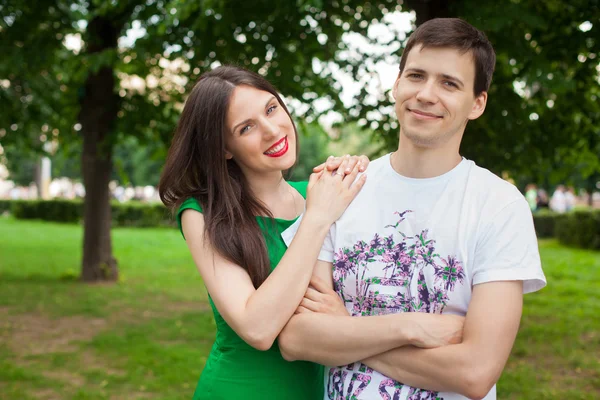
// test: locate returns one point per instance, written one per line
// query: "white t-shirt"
(419, 245)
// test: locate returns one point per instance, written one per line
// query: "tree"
(313, 150)
(542, 115)
(137, 60)
(112, 86)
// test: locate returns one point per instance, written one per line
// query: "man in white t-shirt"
(430, 233)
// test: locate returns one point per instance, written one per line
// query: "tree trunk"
(98, 263)
(99, 106)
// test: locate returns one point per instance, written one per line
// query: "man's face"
(434, 96)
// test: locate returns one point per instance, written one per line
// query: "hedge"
(579, 228)
(71, 211)
(5, 206)
(544, 222)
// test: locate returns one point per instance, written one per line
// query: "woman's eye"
(271, 109)
(244, 129)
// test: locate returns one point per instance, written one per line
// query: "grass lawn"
(148, 336)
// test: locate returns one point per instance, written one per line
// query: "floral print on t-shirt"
(390, 274)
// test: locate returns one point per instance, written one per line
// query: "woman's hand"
(329, 194)
(333, 163)
(321, 298)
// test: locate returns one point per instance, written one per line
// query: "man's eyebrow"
(417, 70)
(453, 78)
(246, 120)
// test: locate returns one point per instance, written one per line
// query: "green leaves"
(540, 45)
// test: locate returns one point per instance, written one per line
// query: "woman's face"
(261, 136)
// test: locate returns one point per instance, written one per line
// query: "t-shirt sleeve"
(326, 253)
(189, 204)
(507, 250)
(327, 250)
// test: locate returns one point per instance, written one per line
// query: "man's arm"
(339, 340)
(472, 367)
(506, 265)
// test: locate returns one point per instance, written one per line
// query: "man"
(430, 232)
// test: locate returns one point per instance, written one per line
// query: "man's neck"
(417, 162)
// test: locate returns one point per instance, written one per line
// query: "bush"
(57, 210)
(141, 215)
(544, 222)
(71, 211)
(5, 206)
(580, 228)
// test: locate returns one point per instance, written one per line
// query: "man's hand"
(320, 298)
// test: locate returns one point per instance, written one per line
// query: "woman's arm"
(472, 367)
(259, 315)
(322, 331)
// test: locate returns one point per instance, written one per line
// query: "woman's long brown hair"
(196, 167)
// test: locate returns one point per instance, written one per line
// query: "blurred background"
(99, 298)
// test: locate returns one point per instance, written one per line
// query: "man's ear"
(478, 106)
(395, 87)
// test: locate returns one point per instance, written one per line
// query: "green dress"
(235, 370)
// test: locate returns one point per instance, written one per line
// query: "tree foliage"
(99, 72)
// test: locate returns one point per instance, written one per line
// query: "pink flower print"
(388, 242)
(450, 273)
(360, 246)
(364, 380)
(335, 384)
(342, 264)
(389, 383)
(421, 394)
(437, 299)
(404, 259)
(356, 308)
(376, 242)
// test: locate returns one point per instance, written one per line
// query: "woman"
(224, 176)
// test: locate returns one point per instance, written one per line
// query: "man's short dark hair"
(460, 35)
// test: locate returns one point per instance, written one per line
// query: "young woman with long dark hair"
(224, 178)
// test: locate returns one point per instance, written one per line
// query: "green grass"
(147, 337)
(557, 352)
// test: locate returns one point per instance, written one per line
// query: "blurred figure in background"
(531, 196)
(542, 199)
(558, 203)
(570, 198)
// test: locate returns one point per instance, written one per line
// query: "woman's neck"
(277, 195)
(267, 186)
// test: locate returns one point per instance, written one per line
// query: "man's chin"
(422, 139)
